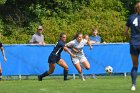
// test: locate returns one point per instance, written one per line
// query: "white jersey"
(78, 46)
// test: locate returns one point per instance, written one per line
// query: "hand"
(5, 59)
(74, 56)
(41, 43)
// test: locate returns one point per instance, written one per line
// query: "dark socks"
(65, 74)
(44, 74)
(134, 75)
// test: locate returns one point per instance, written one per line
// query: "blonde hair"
(137, 8)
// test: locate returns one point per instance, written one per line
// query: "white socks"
(82, 77)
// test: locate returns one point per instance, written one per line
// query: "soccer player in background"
(133, 23)
(55, 57)
(3, 53)
(76, 46)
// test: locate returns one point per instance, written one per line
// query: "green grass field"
(102, 84)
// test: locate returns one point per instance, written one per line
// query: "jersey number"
(135, 22)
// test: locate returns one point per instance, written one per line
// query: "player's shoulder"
(73, 41)
(133, 16)
(60, 42)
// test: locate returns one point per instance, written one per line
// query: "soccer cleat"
(83, 79)
(39, 78)
(133, 88)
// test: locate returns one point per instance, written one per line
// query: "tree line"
(19, 18)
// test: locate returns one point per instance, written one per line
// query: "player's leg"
(85, 62)
(79, 69)
(46, 73)
(134, 70)
(62, 63)
(134, 57)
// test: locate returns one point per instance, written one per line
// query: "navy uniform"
(55, 55)
(134, 23)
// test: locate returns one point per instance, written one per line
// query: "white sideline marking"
(43, 89)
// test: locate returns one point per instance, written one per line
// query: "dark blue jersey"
(58, 48)
(134, 23)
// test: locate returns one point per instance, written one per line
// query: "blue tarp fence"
(33, 59)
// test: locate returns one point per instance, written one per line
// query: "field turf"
(102, 84)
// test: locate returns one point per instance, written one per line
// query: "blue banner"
(33, 59)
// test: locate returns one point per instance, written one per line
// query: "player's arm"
(75, 50)
(67, 50)
(126, 32)
(3, 53)
(88, 42)
(70, 45)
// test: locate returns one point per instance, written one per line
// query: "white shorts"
(79, 59)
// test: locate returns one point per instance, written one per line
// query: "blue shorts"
(53, 59)
(135, 49)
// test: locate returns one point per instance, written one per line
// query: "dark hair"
(61, 34)
(77, 35)
(137, 7)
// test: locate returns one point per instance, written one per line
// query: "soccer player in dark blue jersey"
(133, 23)
(55, 57)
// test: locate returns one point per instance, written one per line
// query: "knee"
(87, 68)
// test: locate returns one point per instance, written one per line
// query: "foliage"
(20, 19)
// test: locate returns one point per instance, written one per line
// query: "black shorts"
(135, 49)
(53, 59)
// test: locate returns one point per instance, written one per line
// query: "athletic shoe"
(83, 79)
(39, 78)
(133, 88)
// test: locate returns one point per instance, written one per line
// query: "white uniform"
(80, 57)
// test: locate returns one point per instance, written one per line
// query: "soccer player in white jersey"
(76, 46)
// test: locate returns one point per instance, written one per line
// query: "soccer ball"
(109, 69)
